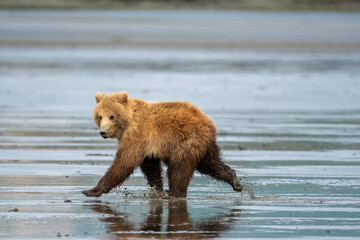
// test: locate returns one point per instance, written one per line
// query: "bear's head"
(111, 114)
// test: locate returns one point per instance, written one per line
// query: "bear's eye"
(111, 117)
(100, 117)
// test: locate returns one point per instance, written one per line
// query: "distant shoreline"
(264, 5)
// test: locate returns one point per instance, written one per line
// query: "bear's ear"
(99, 96)
(122, 97)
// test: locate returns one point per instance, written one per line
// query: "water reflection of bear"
(179, 223)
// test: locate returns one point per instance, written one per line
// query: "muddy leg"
(179, 178)
(111, 179)
(122, 167)
(220, 171)
(151, 167)
(213, 166)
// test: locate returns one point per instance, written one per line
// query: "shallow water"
(302, 186)
(288, 120)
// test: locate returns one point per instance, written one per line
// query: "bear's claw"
(92, 193)
(236, 184)
(238, 187)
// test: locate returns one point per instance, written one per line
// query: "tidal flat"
(282, 88)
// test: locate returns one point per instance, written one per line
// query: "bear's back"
(180, 118)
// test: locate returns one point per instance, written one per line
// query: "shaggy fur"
(175, 133)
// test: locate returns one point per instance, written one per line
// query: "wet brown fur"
(175, 133)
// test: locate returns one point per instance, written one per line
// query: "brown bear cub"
(177, 134)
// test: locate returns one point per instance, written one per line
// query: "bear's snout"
(103, 134)
(106, 128)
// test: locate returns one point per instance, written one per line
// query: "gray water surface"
(282, 88)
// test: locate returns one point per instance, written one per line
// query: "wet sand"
(286, 109)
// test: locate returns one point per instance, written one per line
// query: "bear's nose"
(102, 133)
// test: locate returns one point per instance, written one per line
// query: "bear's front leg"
(122, 167)
(95, 192)
(152, 169)
(98, 190)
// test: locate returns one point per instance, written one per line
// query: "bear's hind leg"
(213, 166)
(179, 178)
(220, 171)
(151, 167)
